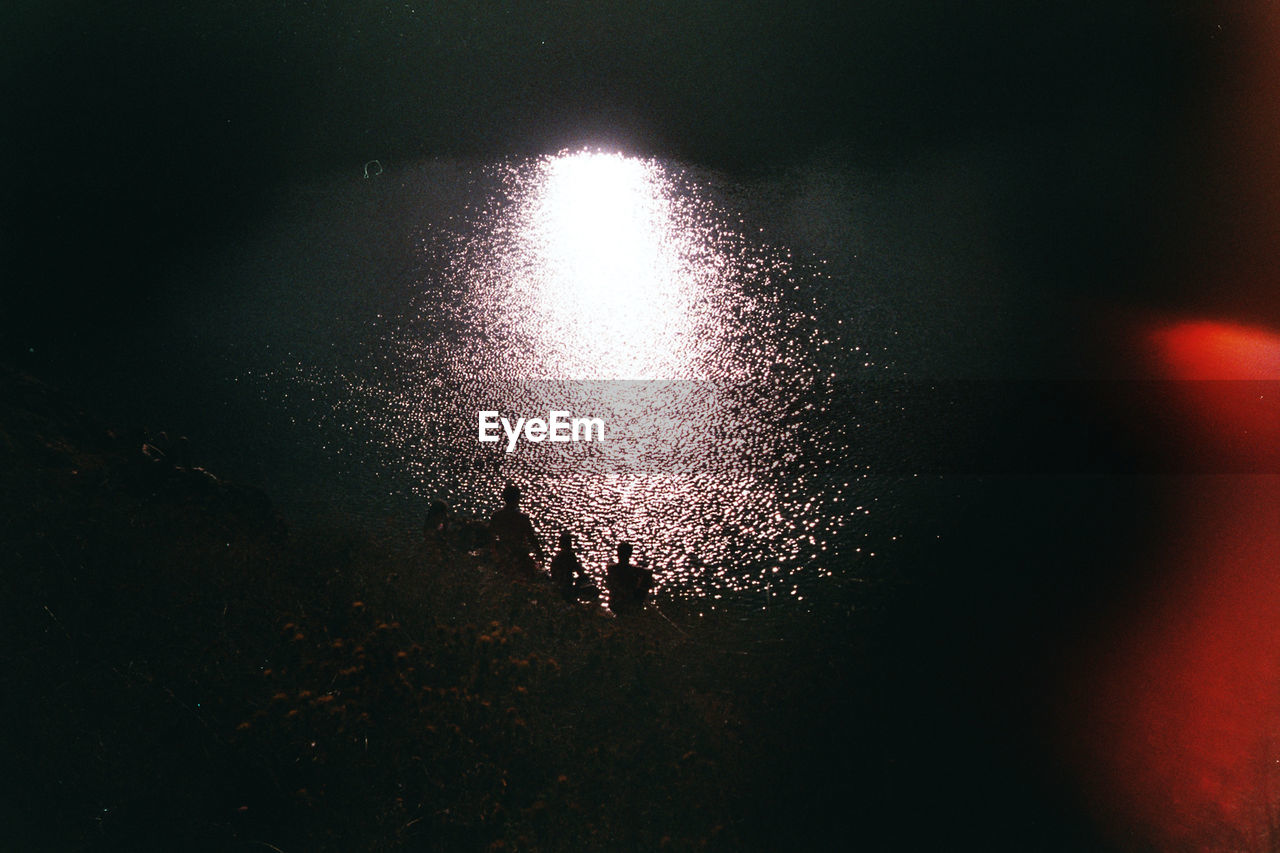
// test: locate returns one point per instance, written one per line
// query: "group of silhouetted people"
(516, 550)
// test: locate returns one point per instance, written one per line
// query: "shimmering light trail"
(611, 276)
(610, 272)
(623, 289)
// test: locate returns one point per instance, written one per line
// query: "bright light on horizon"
(606, 260)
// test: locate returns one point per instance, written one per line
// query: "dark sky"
(135, 138)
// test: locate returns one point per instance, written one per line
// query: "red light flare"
(1224, 396)
(1173, 715)
(1205, 350)
(1176, 724)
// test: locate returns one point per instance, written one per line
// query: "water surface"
(374, 318)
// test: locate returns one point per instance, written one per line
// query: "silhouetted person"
(436, 525)
(437, 528)
(566, 568)
(628, 584)
(512, 537)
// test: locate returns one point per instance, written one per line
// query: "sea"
(793, 366)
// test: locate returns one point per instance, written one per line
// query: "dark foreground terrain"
(181, 670)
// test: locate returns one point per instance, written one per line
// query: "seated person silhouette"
(567, 574)
(438, 522)
(512, 538)
(628, 584)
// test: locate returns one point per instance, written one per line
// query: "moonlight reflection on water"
(611, 275)
(601, 266)
(625, 289)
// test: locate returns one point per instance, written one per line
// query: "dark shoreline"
(177, 652)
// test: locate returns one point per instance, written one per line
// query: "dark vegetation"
(181, 671)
